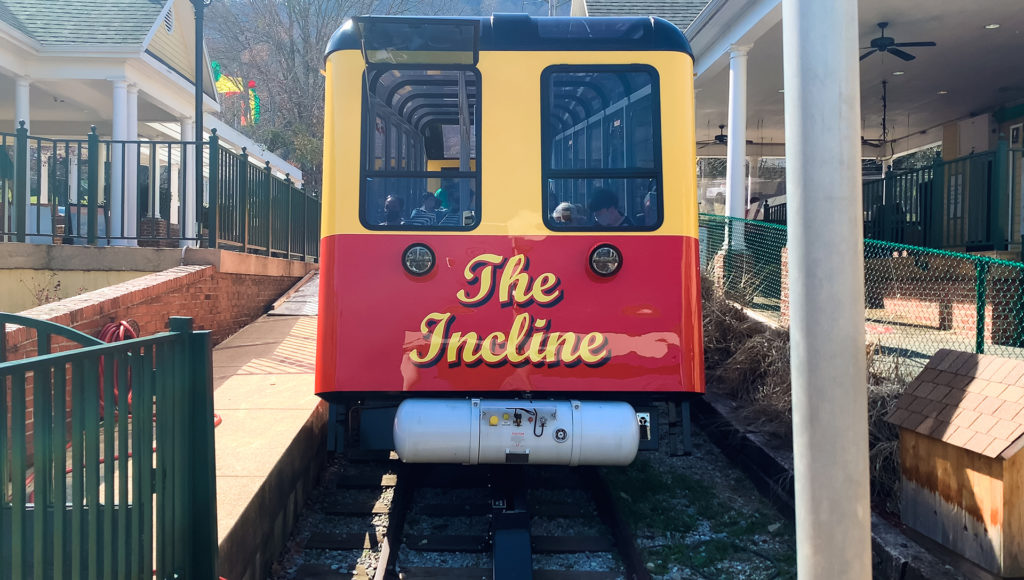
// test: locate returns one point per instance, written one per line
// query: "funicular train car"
(509, 252)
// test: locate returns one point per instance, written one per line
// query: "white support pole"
(826, 281)
(188, 196)
(736, 146)
(117, 181)
(131, 206)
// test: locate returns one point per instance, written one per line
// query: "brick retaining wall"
(220, 302)
(946, 299)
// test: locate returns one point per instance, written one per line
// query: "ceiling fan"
(887, 44)
(720, 139)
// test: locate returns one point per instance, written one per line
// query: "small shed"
(961, 426)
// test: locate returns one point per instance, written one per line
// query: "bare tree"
(280, 45)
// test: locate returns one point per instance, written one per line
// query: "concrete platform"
(271, 442)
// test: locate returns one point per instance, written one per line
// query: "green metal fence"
(972, 203)
(96, 191)
(259, 213)
(917, 300)
(84, 491)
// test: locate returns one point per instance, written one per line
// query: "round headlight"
(418, 259)
(605, 260)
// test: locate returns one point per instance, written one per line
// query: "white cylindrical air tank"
(472, 431)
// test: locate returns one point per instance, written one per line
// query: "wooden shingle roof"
(972, 401)
(678, 12)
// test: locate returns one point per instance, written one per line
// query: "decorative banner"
(229, 86)
(254, 103)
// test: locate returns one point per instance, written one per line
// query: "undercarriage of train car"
(527, 429)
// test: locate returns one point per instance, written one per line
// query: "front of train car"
(509, 251)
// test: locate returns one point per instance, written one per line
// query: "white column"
(736, 147)
(155, 171)
(117, 174)
(44, 173)
(21, 102)
(21, 113)
(826, 281)
(175, 193)
(131, 205)
(188, 197)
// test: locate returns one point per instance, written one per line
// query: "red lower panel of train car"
(509, 314)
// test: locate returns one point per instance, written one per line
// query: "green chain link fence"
(917, 300)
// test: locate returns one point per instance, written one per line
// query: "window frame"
(368, 116)
(588, 173)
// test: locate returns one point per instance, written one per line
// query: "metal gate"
(107, 457)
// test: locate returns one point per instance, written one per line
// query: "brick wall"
(158, 233)
(220, 302)
(956, 310)
(944, 300)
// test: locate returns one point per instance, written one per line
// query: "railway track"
(503, 522)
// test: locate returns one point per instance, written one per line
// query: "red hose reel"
(117, 332)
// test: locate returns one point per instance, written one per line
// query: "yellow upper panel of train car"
(508, 93)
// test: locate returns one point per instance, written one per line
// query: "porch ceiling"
(980, 68)
(66, 108)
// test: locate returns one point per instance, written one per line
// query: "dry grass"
(748, 362)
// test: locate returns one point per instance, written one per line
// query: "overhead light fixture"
(943, 92)
(782, 90)
(991, 26)
(897, 73)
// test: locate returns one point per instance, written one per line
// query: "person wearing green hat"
(442, 198)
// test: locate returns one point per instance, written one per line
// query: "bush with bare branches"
(748, 362)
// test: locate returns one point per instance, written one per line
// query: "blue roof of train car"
(511, 32)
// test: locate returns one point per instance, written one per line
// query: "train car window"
(419, 40)
(424, 118)
(601, 147)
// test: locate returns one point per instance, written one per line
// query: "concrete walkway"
(271, 441)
